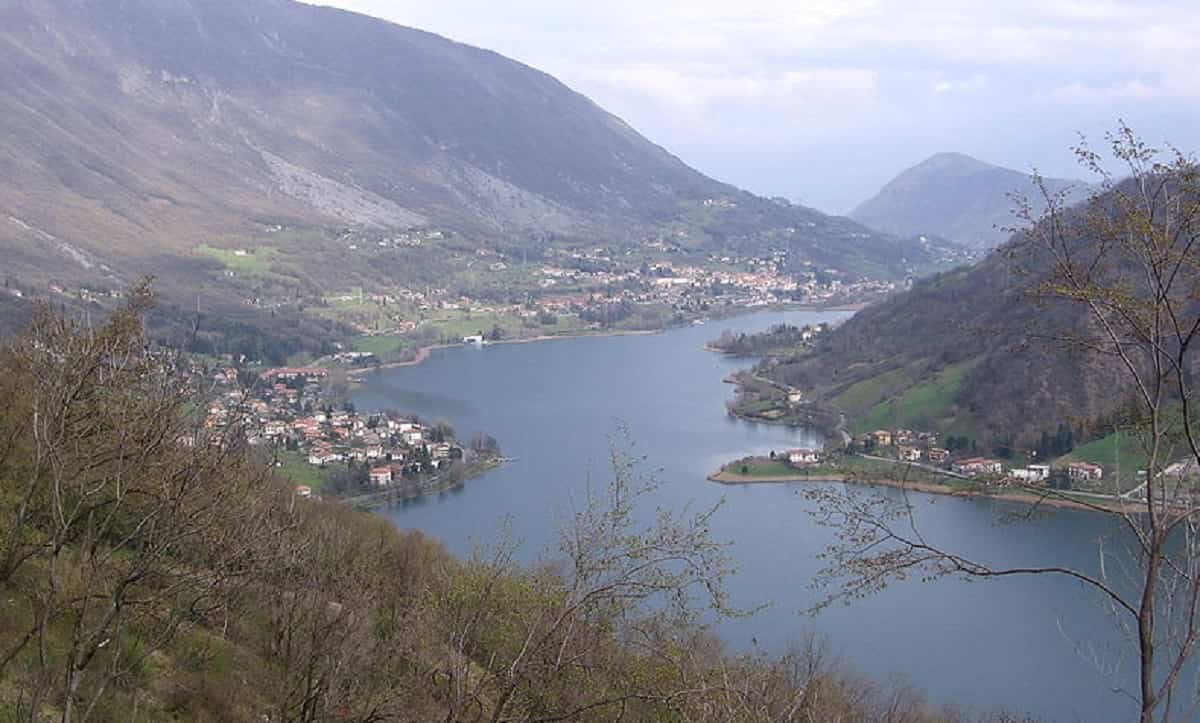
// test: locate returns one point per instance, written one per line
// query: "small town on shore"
(326, 447)
(904, 456)
(590, 291)
(600, 287)
(921, 448)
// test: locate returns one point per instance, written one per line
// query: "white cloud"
(1133, 91)
(973, 84)
(725, 83)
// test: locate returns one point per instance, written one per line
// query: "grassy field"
(299, 471)
(1123, 450)
(858, 399)
(849, 467)
(764, 467)
(512, 326)
(253, 262)
(452, 326)
(926, 406)
(853, 466)
(462, 324)
(381, 346)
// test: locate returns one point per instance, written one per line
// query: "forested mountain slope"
(980, 352)
(957, 197)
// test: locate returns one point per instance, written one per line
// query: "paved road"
(930, 468)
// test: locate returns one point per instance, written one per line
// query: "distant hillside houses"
(917, 447)
(308, 374)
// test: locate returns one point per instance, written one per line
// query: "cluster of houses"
(572, 282)
(286, 409)
(910, 446)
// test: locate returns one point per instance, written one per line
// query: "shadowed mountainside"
(956, 197)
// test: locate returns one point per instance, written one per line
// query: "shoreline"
(728, 479)
(708, 346)
(423, 353)
(388, 497)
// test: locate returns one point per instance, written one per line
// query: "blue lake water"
(1035, 645)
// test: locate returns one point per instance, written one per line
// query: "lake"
(1035, 645)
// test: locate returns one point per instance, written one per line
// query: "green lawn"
(297, 470)
(765, 468)
(461, 324)
(1106, 452)
(257, 261)
(851, 465)
(453, 326)
(859, 398)
(925, 406)
(842, 466)
(380, 346)
(511, 326)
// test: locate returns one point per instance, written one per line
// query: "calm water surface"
(1022, 644)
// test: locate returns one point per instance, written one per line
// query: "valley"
(353, 372)
(265, 194)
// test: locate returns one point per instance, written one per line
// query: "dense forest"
(153, 568)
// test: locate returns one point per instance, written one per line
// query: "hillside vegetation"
(981, 352)
(151, 569)
(258, 155)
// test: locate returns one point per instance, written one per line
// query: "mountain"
(156, 136)
(970, 353)
(957, 197)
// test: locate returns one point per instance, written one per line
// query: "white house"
(1033, 473)
(978, 465)
(1084, 471)
(800, 457)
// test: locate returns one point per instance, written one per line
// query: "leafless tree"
(130, 515)
(615, 576)
(1128, 263)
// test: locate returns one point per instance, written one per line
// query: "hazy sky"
(825, 100)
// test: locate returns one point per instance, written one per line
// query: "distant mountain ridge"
(135, 131)
(957, 197)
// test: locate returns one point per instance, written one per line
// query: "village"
(906, 445)
(289, 412)
(922, 450)
(596, 289)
